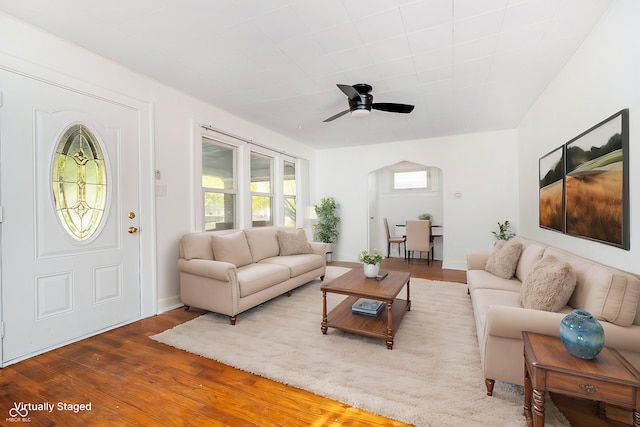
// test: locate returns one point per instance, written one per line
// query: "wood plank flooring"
(131, 380)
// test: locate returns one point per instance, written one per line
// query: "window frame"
(272, 187)
(234, 191)
(286, 196)
(243, 210)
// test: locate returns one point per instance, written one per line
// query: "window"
(79, 181)
(219, 184)
(410, 180)
(289, 192)
(261, 189)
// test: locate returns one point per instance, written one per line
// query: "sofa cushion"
(297, 264)
(606, 293)
(257, 277)
(531, 254)
(293, 242)
(548, 286)
(231, 248)
(196, 246)
(481, 279)
(263, 242)
(504, 258)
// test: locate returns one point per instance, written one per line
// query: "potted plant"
(326, 227)
(504, 231)
(371, 262)
(425, 216)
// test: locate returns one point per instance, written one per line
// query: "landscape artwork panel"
(551, 195)
(596, 183)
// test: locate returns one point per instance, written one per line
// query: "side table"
(548, 366)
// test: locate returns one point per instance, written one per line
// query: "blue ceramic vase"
(581, 334)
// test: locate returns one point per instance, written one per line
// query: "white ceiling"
(466, 65)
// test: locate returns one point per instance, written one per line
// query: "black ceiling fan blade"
(340, 114)
(350, 91)
(392, 107)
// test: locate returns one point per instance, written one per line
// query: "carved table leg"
(528, 391)
(538, 408)
(324, 328)
(602, 410)
(390, 325)
(636, 418)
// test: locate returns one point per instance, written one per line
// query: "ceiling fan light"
(360, 113)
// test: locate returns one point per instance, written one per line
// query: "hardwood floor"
(129, 380)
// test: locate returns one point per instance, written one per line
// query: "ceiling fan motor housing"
(362, 103)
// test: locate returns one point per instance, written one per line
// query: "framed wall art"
(551, 193)
(587, 180)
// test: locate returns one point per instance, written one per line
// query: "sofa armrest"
(218, 270)
(319, 248)
(509, 322)
(477, 260)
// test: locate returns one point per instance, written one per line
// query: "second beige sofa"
(231, 271)
(611, 295)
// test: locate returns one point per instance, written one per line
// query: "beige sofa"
(611, 295)
(230, 271)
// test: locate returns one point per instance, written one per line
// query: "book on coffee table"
(369, 307)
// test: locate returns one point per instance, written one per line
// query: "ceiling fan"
(361, 102)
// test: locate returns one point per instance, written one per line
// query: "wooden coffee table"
(356, 285)
(608, 378)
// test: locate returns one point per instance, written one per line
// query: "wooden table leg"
(538, 408)
(390, 325)
(528, 391)
(324, 328)
(636, 418)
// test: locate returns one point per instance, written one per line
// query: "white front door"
(57, 288)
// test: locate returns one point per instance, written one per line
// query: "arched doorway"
(401, 192)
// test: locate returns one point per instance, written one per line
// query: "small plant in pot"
(504, 231)
(371, 262)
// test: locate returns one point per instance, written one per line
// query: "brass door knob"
(132, 230)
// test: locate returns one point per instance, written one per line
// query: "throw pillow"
(503, 259)
(548, 286)
(231, 248)
(293, 243)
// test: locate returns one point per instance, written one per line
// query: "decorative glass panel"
(79, 180)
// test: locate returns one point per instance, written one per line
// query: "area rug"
(432, 377)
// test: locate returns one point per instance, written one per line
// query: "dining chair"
(419, 238)
(399, 240)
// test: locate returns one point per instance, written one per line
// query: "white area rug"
(432, 377)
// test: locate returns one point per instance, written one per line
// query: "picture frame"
(597, 182)
(551, 190)
(584, 184)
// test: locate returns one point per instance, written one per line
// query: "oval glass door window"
(79, 180)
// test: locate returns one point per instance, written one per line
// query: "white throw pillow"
(548, 286)
(503, 259)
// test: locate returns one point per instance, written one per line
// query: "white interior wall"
(480, 167)
(599, 80)
(173, 132)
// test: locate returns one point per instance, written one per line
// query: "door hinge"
(1, 330)
(1, 213)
